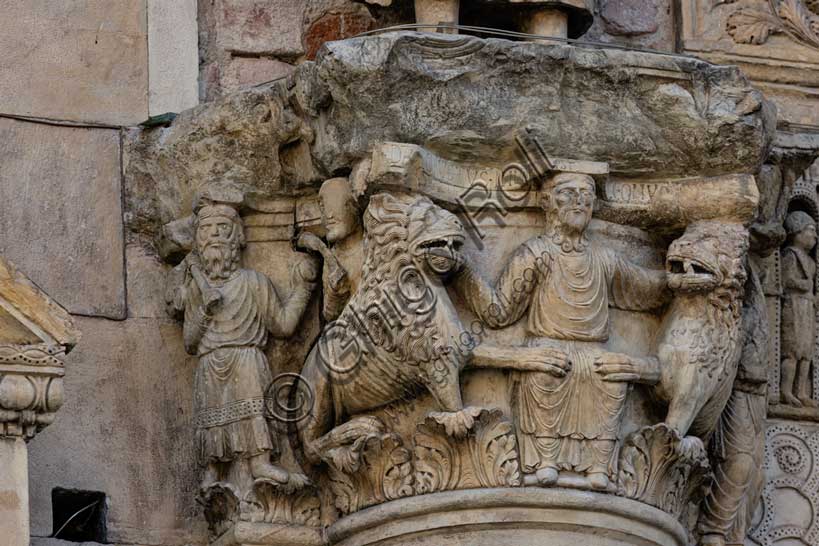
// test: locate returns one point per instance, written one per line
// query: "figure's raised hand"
(211, 299)
(307, 241)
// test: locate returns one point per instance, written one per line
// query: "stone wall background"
(74, 76)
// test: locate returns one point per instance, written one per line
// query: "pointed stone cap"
(28, 316)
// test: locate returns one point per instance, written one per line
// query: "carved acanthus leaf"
(220, 503)
(800, 21)
(269, 504)
(385, 474)
(659, 468)
(793, 17)
(487, 457)
(752, 26)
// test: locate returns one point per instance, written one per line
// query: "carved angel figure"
(229, 312)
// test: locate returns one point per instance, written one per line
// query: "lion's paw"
(457, 423)
(691, 448)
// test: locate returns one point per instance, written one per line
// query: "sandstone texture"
(173, 61)
(685, 172)
(82, 61)
(463, 98)
(67, 177)
(606, 105)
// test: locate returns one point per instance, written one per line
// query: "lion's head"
(409, 229)
(709, 256)
(412, 246)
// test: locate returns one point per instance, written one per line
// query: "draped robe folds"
(798, 315)
(233, 372)
(571, 422)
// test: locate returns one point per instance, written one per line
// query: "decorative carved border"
(31, 355)
(791, 453)
(791, 17)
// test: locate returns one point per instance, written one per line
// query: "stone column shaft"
(14, 509)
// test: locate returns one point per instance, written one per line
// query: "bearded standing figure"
(568, 420)
(228, 314)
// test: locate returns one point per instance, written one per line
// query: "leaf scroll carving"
(659, 468)
(270, 504)
(385, 474)
(792, 17)
(486, 457)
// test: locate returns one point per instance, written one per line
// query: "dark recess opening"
(78, 516)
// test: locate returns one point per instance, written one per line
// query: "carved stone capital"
(31, 388)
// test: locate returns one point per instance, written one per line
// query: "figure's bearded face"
(217, 240)
(571, 204)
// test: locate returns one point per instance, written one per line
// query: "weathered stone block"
(145, 275)
(592, 104)
(244, 71)
(260, 26)
(630, 17)
(173, 56)
(83, 60)
(61, 214)
(598, 105)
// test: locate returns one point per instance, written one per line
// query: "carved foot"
(295, 482)
(791, 400)
(262, 469)
(809, 402)
(598, 481)
(547, 477)
(456, 423)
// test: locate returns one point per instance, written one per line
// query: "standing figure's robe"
(798, 315)
(233, 372)
(567, 294)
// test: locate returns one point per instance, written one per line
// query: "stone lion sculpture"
(393, 339)
(700, 339)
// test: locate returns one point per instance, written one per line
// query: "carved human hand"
(211, 300)
(335, 277)
(547, 360)
(310, 242)
(619, 367)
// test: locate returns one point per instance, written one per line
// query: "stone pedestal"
(14, 517)
(523, 517)
(35, 335)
